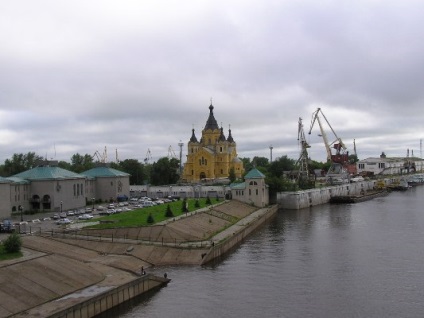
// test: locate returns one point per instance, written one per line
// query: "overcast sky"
(79, 76)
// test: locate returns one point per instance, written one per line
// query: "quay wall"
(112, 298)
(303, 199)
(234, 240)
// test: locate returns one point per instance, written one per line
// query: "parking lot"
(46, 221)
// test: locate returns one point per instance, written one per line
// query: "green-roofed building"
(108, 183)
(50, 188)
(253, 190)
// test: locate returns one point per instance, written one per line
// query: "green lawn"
(5, 256)
(139, 217)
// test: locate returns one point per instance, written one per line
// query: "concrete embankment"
(75, 276)
(95, 300)
(232, 237)
(307, 198)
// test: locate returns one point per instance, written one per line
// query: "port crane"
(304, 178)
(100, 157)
(148, 157)
(171, 153)
(337, 173)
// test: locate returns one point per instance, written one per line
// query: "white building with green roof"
(49, 188)
(108, 184)
(52, 189)
(253, 190)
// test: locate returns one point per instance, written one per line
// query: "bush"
(208, 200)
(150, 219)
(197, 204)
(168, 212)
(13, 243)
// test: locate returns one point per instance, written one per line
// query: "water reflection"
(358, 260)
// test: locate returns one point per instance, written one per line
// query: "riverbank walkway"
(58, 273)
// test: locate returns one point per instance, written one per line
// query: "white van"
(147, 203)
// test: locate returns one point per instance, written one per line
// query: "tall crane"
(100, 157)
(337, 172)
(148, 157)
(303, 177)
(171, 153)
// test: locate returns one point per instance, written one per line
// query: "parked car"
(62, 215)
(70, 213)
(7, 226)
(85, 217)
(63, 221)
(56, 216)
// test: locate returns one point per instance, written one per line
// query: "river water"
(357, 260)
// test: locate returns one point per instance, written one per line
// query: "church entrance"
(202, 175)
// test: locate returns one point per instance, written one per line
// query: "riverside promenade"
(72, 277)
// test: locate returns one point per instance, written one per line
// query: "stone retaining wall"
(112, 298)
(219, 250)
(307, 198)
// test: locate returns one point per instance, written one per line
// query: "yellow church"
(214, 156)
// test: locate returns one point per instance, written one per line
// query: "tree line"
(165, 170)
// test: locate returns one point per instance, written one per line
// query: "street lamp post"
(92, 200)
(20, 208)
(61, 204)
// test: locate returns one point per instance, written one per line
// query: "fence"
(97, 236)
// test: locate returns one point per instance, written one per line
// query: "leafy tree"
(197, 204)
(247, 164)
(81, 163)
(232, 175)
(64, 165)
(164, 171)
(20, 162)
(353, 158)
(278, 166)
(134, 168)
(260, 161)
(13, 243)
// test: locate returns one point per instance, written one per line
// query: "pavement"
(53, 268)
